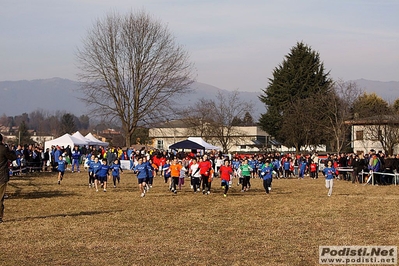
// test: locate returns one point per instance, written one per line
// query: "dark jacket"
(5, 155)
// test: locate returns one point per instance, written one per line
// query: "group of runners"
(200, 169)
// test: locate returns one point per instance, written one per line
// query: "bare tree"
(196, 119)
(131, 68)
(384, 128)
(304, 123)
(339, 105)
(214, 119)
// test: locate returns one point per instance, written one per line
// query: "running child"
(103, 174)
(141, 171)
(225, 175)
(175, 169)
(205, 169)
(329, 172)
(116, 171)
(61, 168)
(246, 175)
(96, 166)
(236, 164)
(182, 175)
(90, 163)
(195, 175)
(166, 172)
(150, 174)
(266, 174)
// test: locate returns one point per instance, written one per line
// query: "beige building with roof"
(242, 138)
(371, 133)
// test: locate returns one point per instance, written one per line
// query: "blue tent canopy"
(187, 144)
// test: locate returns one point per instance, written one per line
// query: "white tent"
(65, 140)
(203, 143)
(78, 135)
(98, 142)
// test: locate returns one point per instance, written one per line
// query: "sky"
(232, 44)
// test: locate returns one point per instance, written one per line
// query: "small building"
(40, 140)
(370, 133)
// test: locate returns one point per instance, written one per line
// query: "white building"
(243, 138)
(368, 133)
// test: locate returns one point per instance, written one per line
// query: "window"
(359, 135)
(160, 144)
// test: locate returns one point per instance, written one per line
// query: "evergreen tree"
(23, 135)
(300, 77)
(248, 120)
(84, 121)
(67, 124)
(236, 121)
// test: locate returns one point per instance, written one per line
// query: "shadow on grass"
(82, 213)
(40, 194)
(253, 192)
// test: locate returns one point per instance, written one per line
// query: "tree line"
(43, 123)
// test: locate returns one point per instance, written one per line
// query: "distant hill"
(206, 91)
(17, 97)
(389, 91)
(53, 94)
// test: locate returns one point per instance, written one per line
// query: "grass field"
(70, 224)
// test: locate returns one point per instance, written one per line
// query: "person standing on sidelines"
(6, 156)
(329, 173)
(226, 172)
(141, 171)
(266, 173)
(315, 158)
(76, 159)
(313, 169)
(302, 169)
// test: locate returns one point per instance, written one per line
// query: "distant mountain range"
(389, 91)
(17, 97)
(54, 94)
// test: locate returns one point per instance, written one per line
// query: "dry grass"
(70, 224)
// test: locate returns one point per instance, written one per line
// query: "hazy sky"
(233, 44)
